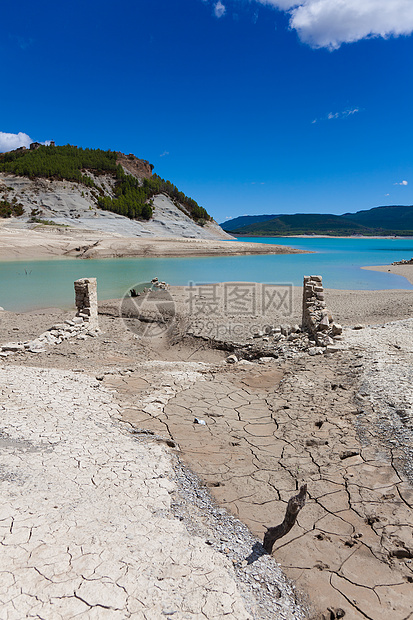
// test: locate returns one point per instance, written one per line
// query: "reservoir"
(27, 285)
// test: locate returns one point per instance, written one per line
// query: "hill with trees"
(382, 221)
(132, 196)
(388, 218)
(247, 220)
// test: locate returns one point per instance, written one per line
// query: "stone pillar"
(316, 319)
(87, 301)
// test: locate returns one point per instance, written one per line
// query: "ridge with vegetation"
(378, 221)
(132, 194)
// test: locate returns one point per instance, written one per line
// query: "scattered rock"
(315, 350)
(336, 329)
(199, 421)
(293, 336)
(331, 348)
(231, 359)
(401, 554)
(316, 442)
(346, 454)
(258, 334)
(36, 349)
(324, 323)
(13, 347)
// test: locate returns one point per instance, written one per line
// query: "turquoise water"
(26, 285)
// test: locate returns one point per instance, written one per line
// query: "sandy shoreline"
(47, 242)
(399, 270)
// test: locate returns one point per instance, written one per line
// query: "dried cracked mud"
(87, 526)
(101, 519)
(269, 428)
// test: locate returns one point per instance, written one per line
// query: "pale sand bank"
(399, 270)
(43, 243)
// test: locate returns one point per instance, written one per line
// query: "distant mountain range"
(394, 220)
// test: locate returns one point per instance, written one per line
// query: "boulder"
(315, 350)
(336, 329)
(324, 324)
(231, 359)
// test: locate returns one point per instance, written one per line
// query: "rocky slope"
(67, 203)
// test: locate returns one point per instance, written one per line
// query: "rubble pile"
(84, 324)
(317, 334)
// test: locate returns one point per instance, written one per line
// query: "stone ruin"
(86, 300)
(317, 334)
(84, 324)
(317, 320)
(404, 261)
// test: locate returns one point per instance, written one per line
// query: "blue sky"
(248, 106)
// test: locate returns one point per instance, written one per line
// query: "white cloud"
(402, 183)
(219, 9)
(164, 154)
(335, 115)
(11, 141)
(329, 23)
(343, 114)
